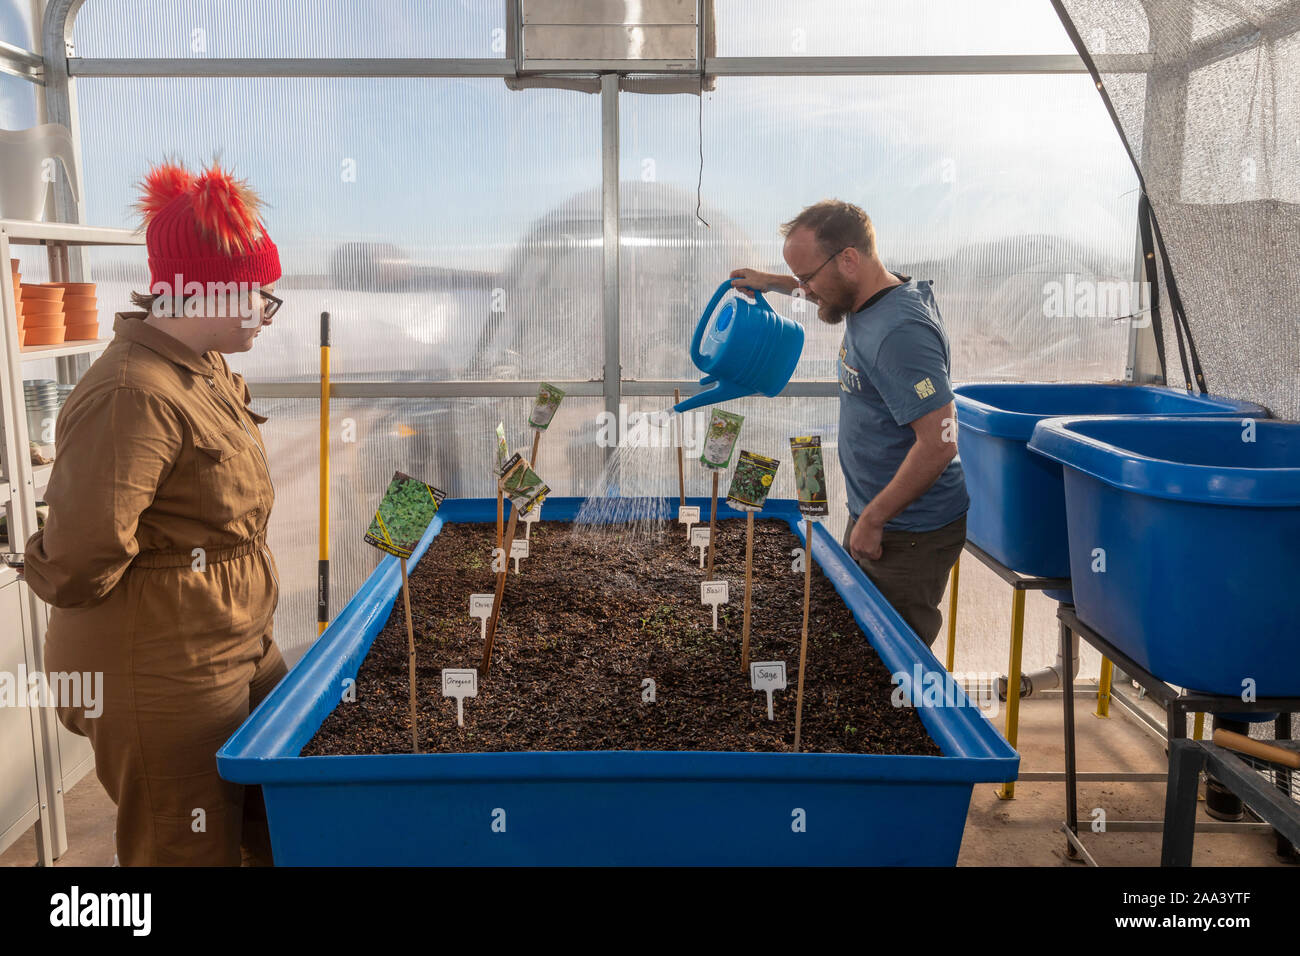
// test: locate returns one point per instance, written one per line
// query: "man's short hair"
(836, 225)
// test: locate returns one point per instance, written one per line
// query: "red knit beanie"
(204, 228)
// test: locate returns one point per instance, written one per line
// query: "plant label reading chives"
(688, 515)
(752, 481)
(548, 403)
(714, 593)
(534, 515)
(480, 606)
(767, 676)
(460, 682)
(700, 539)
(809, 475)
(720, 439)
(518, 549)
(403, 515)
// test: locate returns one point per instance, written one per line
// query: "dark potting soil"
(585, 621)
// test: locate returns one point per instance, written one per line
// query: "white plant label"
(714, 593)
(700, 539)
(533, 514)
(688, 515)
(460, 682)
(480, 606)
(767, 676)
(518, 549)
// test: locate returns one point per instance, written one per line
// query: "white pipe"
(1047, 678)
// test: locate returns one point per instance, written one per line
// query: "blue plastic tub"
(1200, 532)
(1017, 500)
(615, 807)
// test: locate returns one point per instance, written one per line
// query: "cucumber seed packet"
(809, 475)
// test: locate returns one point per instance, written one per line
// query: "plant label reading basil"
(460, 682)
(523, 486)
(518, 549)
(480, 606)
(533, 515)
(720, 439)
(688, 515)
(752, 481)
(767, 676)
(548, 402)
(403, 515)
(714, 593)
(700, 539)
(809, 475)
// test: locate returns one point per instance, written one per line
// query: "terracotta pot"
(45, 320)
(22, 338)
(77, 333)
(80, 316)
(80, 303)
(48, 336)
(33, 291)
(75, 288)
(41, 307)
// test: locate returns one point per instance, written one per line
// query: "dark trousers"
(912, 572)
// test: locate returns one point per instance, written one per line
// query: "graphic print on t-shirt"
(850, 377)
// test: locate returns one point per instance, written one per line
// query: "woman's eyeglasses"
(270, 304)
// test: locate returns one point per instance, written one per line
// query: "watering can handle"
(698, 337)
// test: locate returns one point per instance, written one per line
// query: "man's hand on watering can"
(754, 281)
(864, 540)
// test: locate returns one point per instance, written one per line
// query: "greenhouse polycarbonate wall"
(1220, 153)
(453, 227)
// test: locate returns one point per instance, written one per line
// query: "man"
(898, 435)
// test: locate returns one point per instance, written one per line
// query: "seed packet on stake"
(523, 486)
(404, 515)
(548, 403)
(720, 440)
(809, 475)
(503, 450)
(752, 481)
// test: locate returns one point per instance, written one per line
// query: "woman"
(154, 556)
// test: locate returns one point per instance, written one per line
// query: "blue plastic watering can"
(742, 350)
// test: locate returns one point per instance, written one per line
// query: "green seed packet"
(503, 450)
(548, 403)
(752, 481)
(404, 515)
(523, 486)
(809, 475)
(720, 439)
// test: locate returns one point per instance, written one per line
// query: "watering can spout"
(720, 392)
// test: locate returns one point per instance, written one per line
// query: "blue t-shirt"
(893, 370)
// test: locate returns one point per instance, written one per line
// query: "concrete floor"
(1019, 832)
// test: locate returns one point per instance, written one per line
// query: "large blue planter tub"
(1199, 528)
(1017, 499)
(614, 807)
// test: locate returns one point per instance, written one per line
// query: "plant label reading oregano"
(688, 515)
(548, 403)
(700, 539)
(714, 593)
(720, 439)
(534, 515)
(767, 676)
(518, 549)
(460, 682)
(403, 515)
(480, 606)
(809, 475)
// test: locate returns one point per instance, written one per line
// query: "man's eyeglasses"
(804, 281)
(270, 304)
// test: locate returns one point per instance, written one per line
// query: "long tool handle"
(1256, 748)
(681, 474)
(323, 562)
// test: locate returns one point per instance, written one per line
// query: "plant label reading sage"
(720, 438)
(700, 539)
(480, 606)
(752, 481)
(403, 515)
(548, 403)
(714, 593)
(523, 486)
(767, 676)
(518, 549)
(460, 682)
(809, 475)
(688, 515)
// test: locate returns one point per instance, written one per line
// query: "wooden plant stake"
(803, 643)
(713, 525)
(681, 473)
(537, 440)
(410, 644)
(500, 512)
(486, 663)
(749, 582)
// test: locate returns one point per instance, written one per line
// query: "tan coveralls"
(155, 563)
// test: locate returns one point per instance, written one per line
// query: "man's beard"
(835, 310)
(831, 315)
